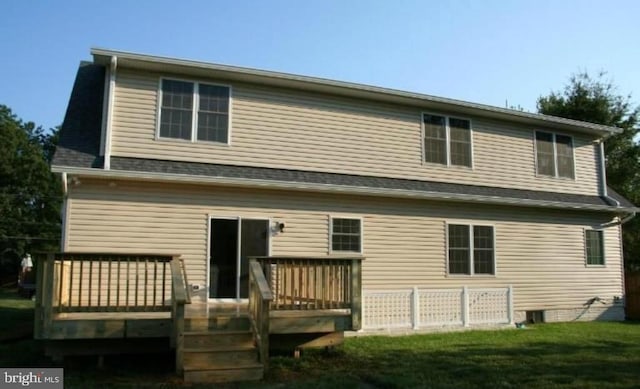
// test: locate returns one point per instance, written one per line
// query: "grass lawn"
(571, 355)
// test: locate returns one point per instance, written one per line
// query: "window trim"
(194, 111)
(340, 252)
(604, 251)
(555, 155)
(448, 140)
(470, 225)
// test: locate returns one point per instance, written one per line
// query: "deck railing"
(88, 282)
(260, 298)
(308, 283)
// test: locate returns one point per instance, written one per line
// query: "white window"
(346, 235)
(594, 247)
(471, 249)
(447, 140)
(194, 111)
(554, 155)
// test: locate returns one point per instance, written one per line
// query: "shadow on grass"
(536, 365)
(591, 363)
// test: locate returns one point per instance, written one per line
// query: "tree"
(30, 195)
(596, 100)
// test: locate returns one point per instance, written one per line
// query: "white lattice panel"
(440, 307)
(390, 309)
(488, 306)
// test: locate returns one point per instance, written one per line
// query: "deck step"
(232, 323)
(253, 372)
(220, 340)
(216, 360)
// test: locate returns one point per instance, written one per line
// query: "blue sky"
(483, 51)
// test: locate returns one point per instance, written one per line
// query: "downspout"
(603, 180)
(112, 86)
(603, 175)
(65, 184)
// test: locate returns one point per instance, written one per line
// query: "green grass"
(16, 315)
(571, 355)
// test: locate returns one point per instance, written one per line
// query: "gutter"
(108, 130)
(627, 218)
(324, 188)
(603, 179)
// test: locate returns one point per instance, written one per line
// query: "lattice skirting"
(419, 308)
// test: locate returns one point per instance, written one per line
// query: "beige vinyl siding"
(297, 130)
(539, 252)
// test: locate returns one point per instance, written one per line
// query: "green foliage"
(596, 100)
(30, 195)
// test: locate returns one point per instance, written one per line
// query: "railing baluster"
(80, 285)
(308, 274)
(127, 303)
(90, 281)
(70, 301)
(323, 283)
(164, 280)
(60, 280)
(135, 304)
(300, 285)
(118, 286)
(277, 285)
(345, 284)
(146, 283)
(289, 292)
(155, 281)
(331, 284)
(99, 281)
(109, 282)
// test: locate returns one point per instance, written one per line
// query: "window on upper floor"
(194, 111)
(471, 249)
(346, 235)
(447, 140)
(594, 247)
(554, 155)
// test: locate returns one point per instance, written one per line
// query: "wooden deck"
(294, 303)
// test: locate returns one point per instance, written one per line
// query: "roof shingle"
(79, 144)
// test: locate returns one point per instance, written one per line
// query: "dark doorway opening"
(223, 263)
(230, 249)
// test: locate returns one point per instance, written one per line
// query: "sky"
(483, 51)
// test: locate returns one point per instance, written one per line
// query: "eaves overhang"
(341, 88)
(335, 189)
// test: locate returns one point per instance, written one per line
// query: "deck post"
(356, 294)
(264, 334)
(179, 334)
(465, 306)
(38, 312)
(47, 293)
(415, 305)
(179, 297)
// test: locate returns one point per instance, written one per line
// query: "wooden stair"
(220, 349)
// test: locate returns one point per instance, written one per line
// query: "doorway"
(231, 242)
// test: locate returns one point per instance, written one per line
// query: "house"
(328, 206)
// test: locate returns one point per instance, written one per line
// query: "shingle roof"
(79, 143)
(619, 198)
(307, 177)
(79, 147)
